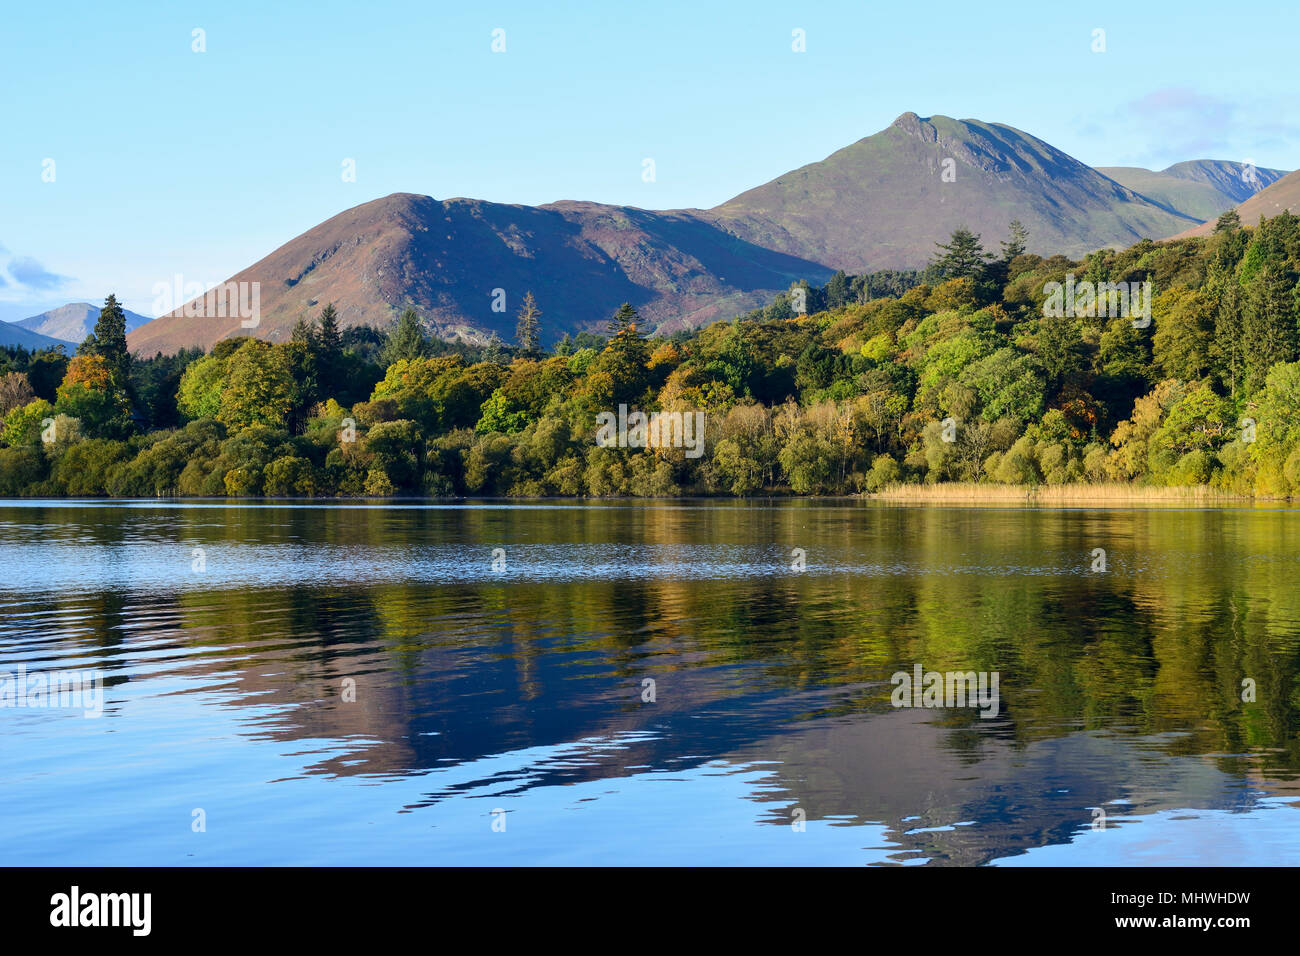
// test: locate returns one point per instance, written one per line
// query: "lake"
(659, 682)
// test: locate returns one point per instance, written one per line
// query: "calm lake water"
(503, 711)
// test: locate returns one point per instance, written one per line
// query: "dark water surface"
(499, 714)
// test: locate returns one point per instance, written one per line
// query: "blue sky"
(169, 161)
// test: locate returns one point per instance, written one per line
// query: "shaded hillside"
(13, 334)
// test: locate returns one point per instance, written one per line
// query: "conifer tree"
(109, 340)
(625, 316)
(963, 255)
(528, 329)
(1016, 245)
(407, 340)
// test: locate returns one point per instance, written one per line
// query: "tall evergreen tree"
(494, 351)
(837, 290)
(1228, 343)
(1230, 221)
(628, 351)
(329, 340)
(1269, 321)
(1017, 243)
(327, 354)
(963, 255)
(109, 340)
(303, 333)
(407, 340)
(625, 317)
(528, 330)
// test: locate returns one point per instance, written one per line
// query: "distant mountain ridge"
(1281, 196)
(11, 334)
(1201, 188)
(447, 259)
(74, 321)
(881, 203)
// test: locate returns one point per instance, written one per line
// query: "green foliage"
(289, 475)
(92, 393)
(501, 415)
(23, 425)
(957, 372)
(407, 341)
(961, 256)
(108, 340)
(257, 387)
(22, 471)
(199, 393)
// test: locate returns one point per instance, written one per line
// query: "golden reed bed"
(1083, 494)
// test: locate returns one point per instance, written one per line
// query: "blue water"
(499, 715)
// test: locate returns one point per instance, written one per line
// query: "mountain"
(13, 334)
(1202, 188)
(883, 202)
(1229, 178)
(580, 259)
(74, 321)
(1281, 196)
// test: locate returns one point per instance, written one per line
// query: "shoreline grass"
(1078, 493)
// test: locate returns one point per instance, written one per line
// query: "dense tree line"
(955, 372)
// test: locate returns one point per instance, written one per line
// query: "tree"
(22, 425)
(528, 328)
(625, 317)
(1269, 321)
(1228, 344)
(90, 392)
(1278, 413)
(1016, 245)
(1059, 348)
(303, 332)
(289, 475)
(15, 391)
(494, 351)
(109, 340)
(838, 290)
(45, 370)
(627, 356)
(962, 255)
(1228, 222)
(154, 383)
(199, 394)
(326, 353)
(1184, 327)
(1198, 420)
(329, 341)
(259, 388)
(500, 415)
(407, 340)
